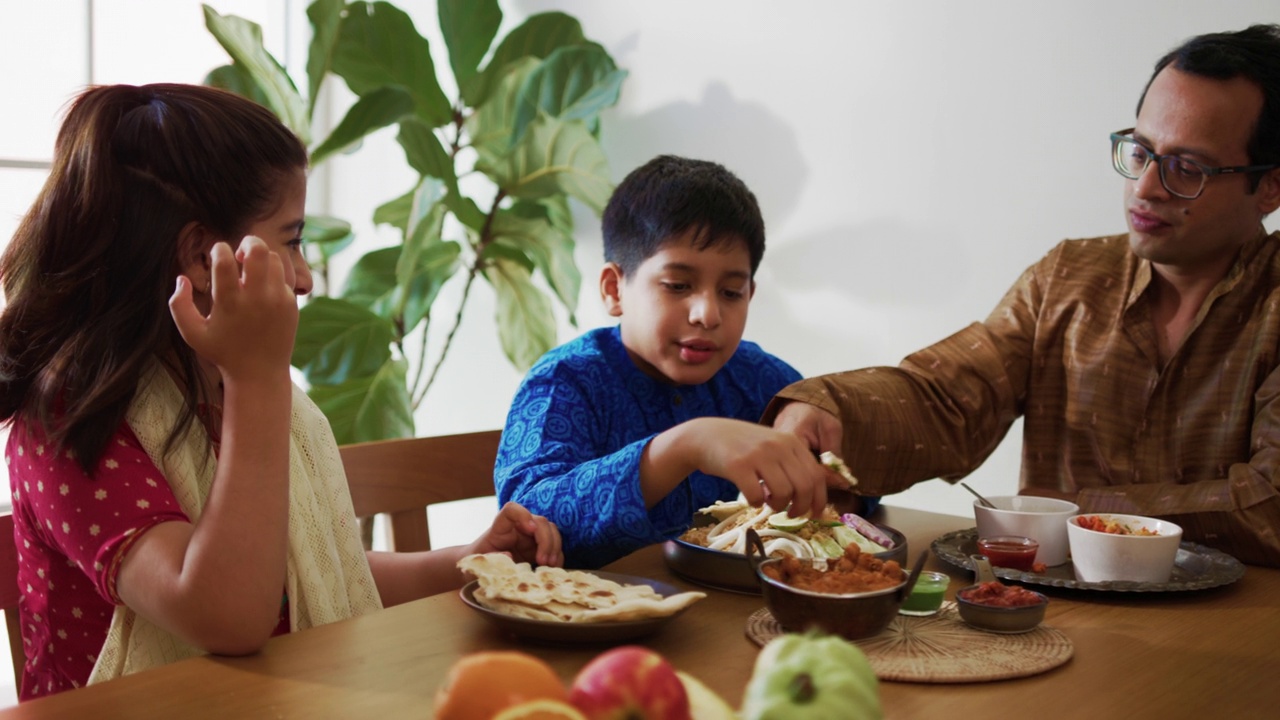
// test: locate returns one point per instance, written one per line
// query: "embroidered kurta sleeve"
(555, 460)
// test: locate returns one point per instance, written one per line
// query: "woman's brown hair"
(90, 269)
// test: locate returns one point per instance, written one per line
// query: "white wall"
(910, 158)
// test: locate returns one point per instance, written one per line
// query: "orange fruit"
(483, 684)
(541, 710)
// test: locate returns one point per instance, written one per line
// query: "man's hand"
(817, 427)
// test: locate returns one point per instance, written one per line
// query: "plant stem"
(422, 362)
(457, 321)
(485, 238)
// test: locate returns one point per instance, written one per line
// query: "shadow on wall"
(881, 263)
(757, 145)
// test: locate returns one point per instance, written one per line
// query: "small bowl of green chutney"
(927, 595)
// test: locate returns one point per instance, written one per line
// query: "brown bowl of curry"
(854, 596)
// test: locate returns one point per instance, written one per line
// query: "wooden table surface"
(1210, 653)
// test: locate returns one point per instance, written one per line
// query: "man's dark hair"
(669, 195)
(1252, 53)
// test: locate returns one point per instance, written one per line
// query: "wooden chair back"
(9, 595)
(402, 477)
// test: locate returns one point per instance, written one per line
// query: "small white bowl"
(1041, 519)
(1105, 557)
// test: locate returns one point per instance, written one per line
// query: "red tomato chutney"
(1009, 552)
(997, 594)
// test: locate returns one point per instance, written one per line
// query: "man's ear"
(1269, 192)
(752, 292)
(611, 288)
(194, 261)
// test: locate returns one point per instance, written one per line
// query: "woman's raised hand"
(253, 318)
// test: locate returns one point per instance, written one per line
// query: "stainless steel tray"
(1197, 567)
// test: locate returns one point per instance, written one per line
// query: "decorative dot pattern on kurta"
(71, 532)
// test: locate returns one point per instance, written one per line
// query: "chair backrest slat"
(402, 477)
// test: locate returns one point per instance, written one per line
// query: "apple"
(630, 683)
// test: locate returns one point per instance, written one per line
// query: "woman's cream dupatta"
(328, 574)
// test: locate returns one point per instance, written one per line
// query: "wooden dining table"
(1208, 653)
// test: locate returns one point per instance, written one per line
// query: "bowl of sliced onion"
(713, 551)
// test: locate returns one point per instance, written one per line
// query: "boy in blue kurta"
(620, 436)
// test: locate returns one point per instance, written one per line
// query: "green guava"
(812, 677)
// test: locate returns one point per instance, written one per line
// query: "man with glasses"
(1146, 365)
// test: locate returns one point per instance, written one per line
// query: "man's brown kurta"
(1073, 349)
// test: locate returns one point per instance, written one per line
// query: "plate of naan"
(568, 606)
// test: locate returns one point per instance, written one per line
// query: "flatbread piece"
(559, 595)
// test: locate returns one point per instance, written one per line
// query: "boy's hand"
(250, 329)
(767, 465)
(525, 536)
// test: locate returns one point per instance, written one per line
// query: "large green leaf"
(325, 236)
(572, 83)
(406, 211)
(469, 27)
(379, 46)
(326, 18)
(423, 234)
(237, 80)
(373, 407)
(326, 229)
(526, 327)
(526, 226)
(339, 340)
(489, 127)
(554, 156)
(434, 266)
(425, 153)
(372, 111)
(536, 37)
(243, 42)
(372, 281)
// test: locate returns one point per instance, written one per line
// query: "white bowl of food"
(1107, 547)
(1041, 519)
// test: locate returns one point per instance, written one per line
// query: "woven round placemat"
(941, 648)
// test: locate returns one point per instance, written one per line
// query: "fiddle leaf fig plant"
(523, 130)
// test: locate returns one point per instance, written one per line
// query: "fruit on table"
(812, 677)
(483, 684)
(541, 710)
(630, 683)
(704, 703)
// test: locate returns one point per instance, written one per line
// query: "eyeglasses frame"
(1127, 136)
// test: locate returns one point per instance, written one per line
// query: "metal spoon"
(985, 502)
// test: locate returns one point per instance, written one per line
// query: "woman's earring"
(208, 286)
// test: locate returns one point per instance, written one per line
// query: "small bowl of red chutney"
(1010, 551)
(999, 608)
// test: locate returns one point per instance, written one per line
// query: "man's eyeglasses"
(1180, 176)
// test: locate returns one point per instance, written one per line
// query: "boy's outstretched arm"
(765, 464)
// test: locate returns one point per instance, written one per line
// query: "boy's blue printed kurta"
(579, 423)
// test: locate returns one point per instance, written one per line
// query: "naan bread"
(560, 595)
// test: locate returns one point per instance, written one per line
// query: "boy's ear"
(752, 292)
(611, 288)
(194, 243)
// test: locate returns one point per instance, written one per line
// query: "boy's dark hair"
(669, 195)
(1252, 53)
